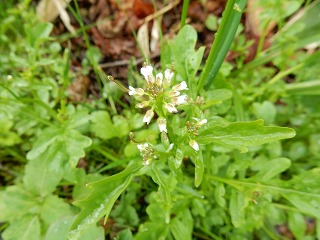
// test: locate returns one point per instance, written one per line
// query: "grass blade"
(225, 35)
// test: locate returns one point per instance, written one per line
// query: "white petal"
(132, 90)
(142, 104)
(181, 86)
(167, 78)
(146, 71)
(136, 91)
(179, 100)
(173, 93)
(202, 122)
(159, 78)
(162, 124)
(142, 147)
(171, 108)
(168, 75)
(194, 145)
(149, 115)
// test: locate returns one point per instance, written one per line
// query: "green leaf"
(179, 229)
(38, 32)
(237, 205)
(103, 127)
(25, 228)
(216, 96)
(152, 230)
(219, 193)
(186, 59)
(305, 203)
(47, 137)
(265, 110)
(53, 208)
(304, 88)
(54, 151)
(125, 234)
(297, 224)
(43, 174)
(59, 230)
(241, 135)
(15, 203)
(269, 169)
(222, 42)
(199, 168)
(165, 182)
(99, 201)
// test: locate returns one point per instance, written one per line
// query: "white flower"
(194, 144)
(146, 71)
(162, 124)
(202, 122)
(149, 115)
(142, 104)
(159, 78)
(181, 86)
(171, 108)
(136, 91)
(168, 75)
(142, 147)
(180, 99)
(174, 94)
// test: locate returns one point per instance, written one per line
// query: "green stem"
(262, 38)
(236, 183)
(282, 74)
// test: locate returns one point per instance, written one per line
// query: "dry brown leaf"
(49, 10)
(143, 39)
(155, 34)
(253, 19)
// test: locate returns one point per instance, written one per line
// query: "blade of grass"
(184, 13)
(225, 35)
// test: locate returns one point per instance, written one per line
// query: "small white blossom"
(147, 153)
(159, 79)
(170, 147)
(181, 86)
(146, 71)
(202, 122)
(180, 99)
(142, 147)
(149, 115)
(171, 108)
(174, 94)
(168, 75)
(194, 144)
(162, 124)
(136, 91)
(143, 104)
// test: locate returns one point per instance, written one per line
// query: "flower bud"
(162, 124)
(194, 144)
(149, 115)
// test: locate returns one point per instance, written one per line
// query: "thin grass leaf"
(225, 35)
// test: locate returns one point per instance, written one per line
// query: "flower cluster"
(158, 95)
(193, 129)
(147, 153)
